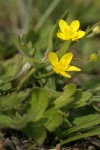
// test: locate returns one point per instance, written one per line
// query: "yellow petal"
(65, 74)
(53, 58)
(75, 39)
(61, 35)
(63, 25)
(75, 25)
(80, 34)
(73, 68)
(56, 70)
(66, 59)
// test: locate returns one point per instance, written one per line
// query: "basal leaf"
(69, 90)
(81, 99)
(84, 123)
(54, 119)
(65, 98)
(13, 100)
(62, 101)
(93, 132)
(21, 122)
(36, 131)
(85, 119)
(6, 121)
(38, 103)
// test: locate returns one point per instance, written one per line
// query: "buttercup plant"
(34, 100)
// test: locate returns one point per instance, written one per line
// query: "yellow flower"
(62, 66)
(70, 32)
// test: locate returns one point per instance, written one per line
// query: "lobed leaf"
(8, 102)
(38, 103)
(54, 119)
(65, 99)
(36, 131)
(6, 121)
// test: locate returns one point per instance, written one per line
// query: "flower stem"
(45, 75)
(84, 58)
(25, 78)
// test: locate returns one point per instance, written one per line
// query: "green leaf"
(32, 36)
(69, 90)
(93, 132)
(20, 122)
(52, 93)
(54, 119)
(86, 119)
(62, 101)
(50, 42)
(63, 49)
(96, 106)
(7, 77)
(46, 14)
(65, 15)
(65, 98)
(81, 99)
(36, 131)
(21, 47)
(13, 100)
(38, 103)
(94, 99)
(6, 86)
(6, 121)
(51, 84)
(84, 123)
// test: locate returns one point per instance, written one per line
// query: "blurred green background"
(18, 16)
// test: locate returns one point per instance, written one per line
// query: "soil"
(15, 140)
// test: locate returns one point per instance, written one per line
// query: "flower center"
(60, 67)
(70, 33)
